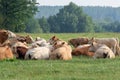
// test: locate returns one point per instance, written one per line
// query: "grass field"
(79, 68)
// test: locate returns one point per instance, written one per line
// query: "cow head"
(53, 40)
(29, 39)
(90, 41)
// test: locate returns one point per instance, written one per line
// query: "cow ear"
(55, 43)
(93, 38)
(92, 44)
(6, 32)
(53, 37)
(63, 43)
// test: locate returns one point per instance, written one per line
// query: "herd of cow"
(25, 47)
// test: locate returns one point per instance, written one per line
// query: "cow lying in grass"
(53, 39)
(28, 39)
(38, 53)
(61, 51)
(101, 51)
(19, 49)
(40, 42)
(6, 52)
(112, 43)
(6, 34)
(82, 50)
(38, 50)
(75, 42)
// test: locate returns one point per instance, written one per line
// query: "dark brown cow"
(78, 41)
(3, 36)
(21, 51)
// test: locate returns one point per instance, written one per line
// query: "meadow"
(79, 68)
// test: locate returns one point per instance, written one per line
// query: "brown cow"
(61, 51)
(21, 51)
(6, 34)
(53, 39)
(3, 36)
(78, 41)
(6, 52)
(28, 39)
(82, 50)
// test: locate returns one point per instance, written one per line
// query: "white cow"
(101, 51)
(38, 53)
(112, 43)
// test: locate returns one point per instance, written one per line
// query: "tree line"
(19, 16)
(111, 13)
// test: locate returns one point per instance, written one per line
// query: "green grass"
(79, 68)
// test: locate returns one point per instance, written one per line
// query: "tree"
(33, 26)
(44, 25)
(54, 27)
(14, 13)
(71, 18)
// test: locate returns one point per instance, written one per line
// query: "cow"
(28, 39)
(101, 51)
(6, 52)
(3, 36)
(6, 34)
(82, 50)
(61, 51)
(112, 43)
(23, 39)
(11, 34)
(38, 53)
(39, 42)
(75, 42)
(53, 39)
(19, 49)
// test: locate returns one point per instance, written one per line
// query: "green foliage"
(96, 12)
(54, 27)
(14, 13)
(71, 19)
(100, 13)
(107, 21)
(32, 26)
(44, 25)
(107, 26)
